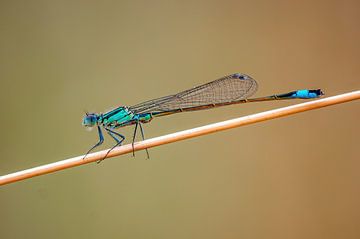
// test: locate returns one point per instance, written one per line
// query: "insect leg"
(143, 137)
(118, 141)
(113, 133)
(101, 140)
(133, 141)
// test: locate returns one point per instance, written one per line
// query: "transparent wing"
(227, 89)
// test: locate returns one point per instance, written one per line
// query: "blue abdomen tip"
(308, 94)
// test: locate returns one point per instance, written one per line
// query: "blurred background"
(294, 177)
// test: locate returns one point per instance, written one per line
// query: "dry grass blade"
(190, 133)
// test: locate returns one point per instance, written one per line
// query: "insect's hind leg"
(143, 137)
(133, 140)
(138, 123)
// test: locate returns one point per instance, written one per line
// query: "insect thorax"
(117, 116)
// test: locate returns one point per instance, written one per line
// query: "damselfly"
(232, 89)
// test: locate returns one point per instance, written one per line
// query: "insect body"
(232, 89)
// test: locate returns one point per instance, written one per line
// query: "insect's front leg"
(101, 140)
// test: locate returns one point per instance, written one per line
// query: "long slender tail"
(298, 94)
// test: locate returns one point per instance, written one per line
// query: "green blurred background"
(294, 177)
